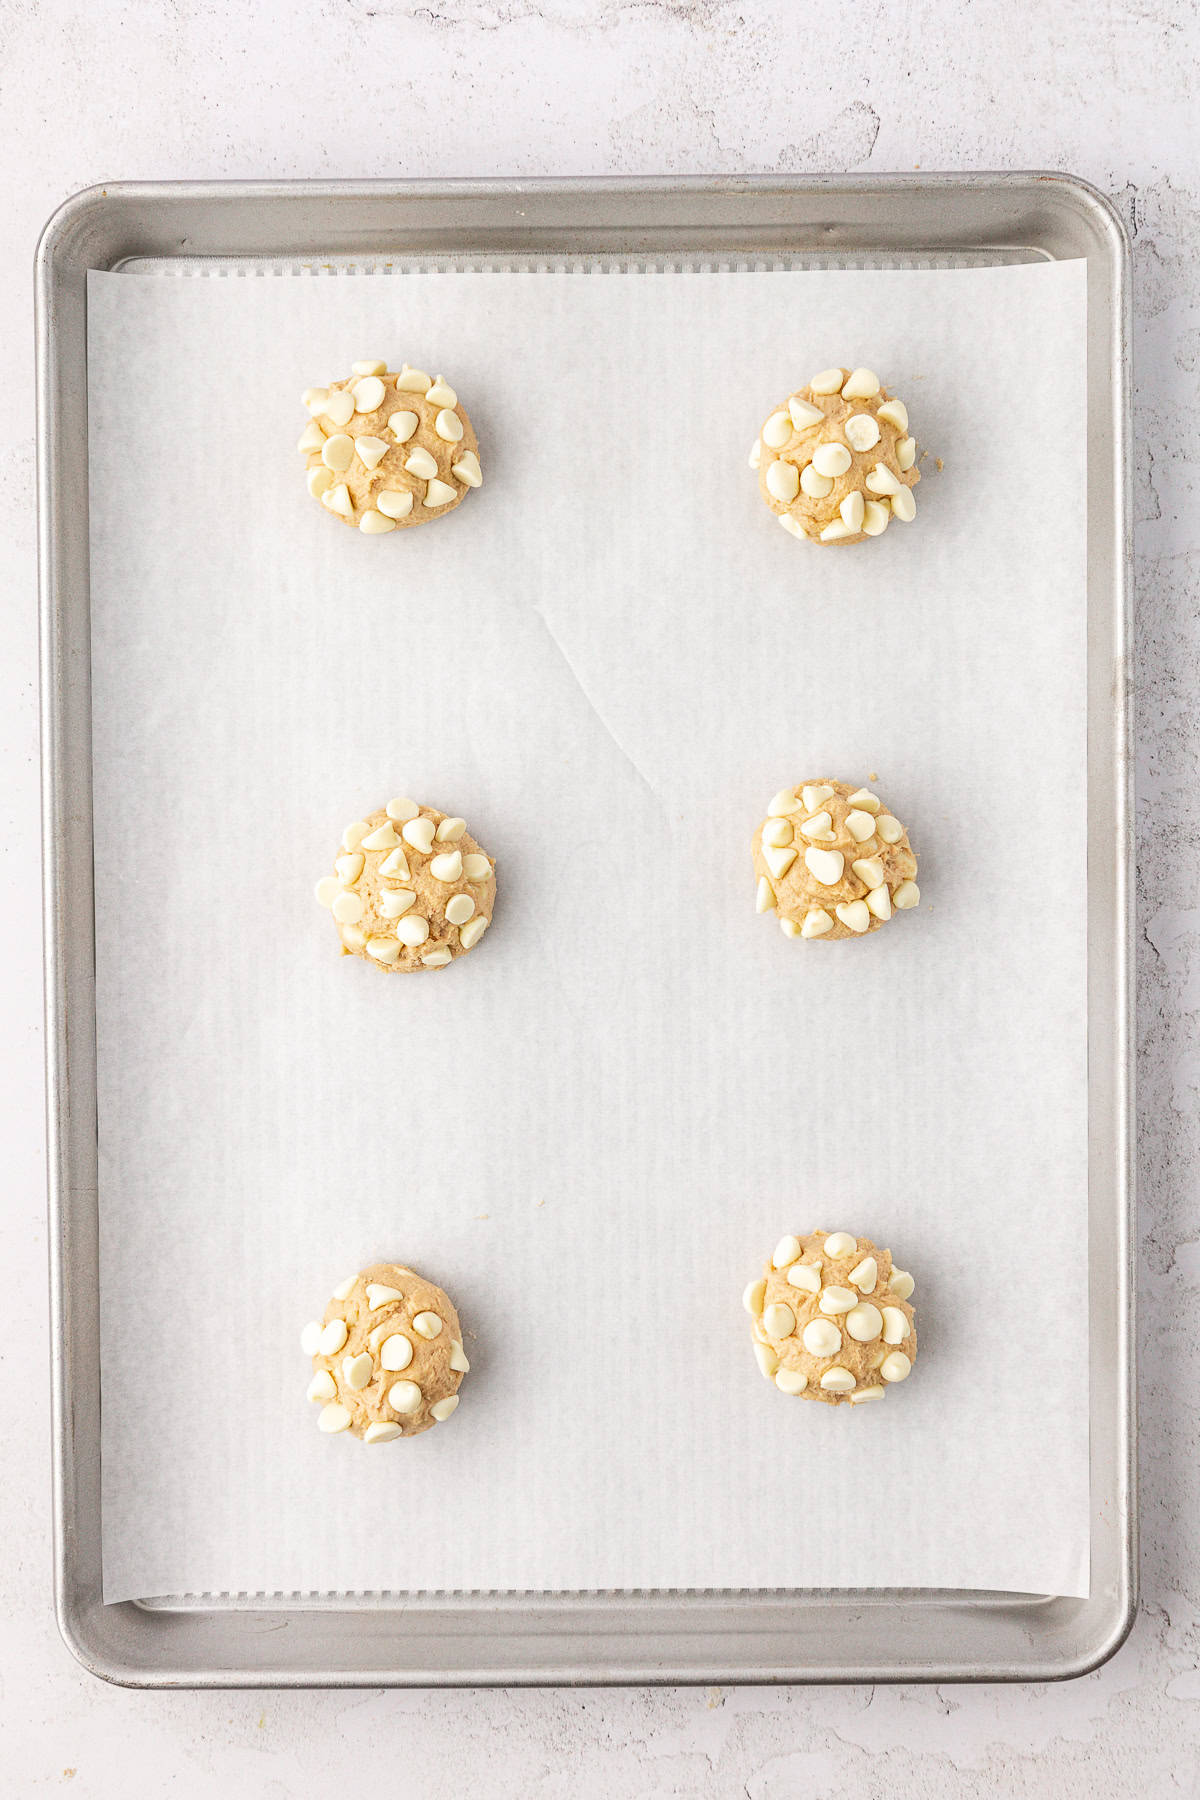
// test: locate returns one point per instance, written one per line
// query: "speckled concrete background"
(204, 88)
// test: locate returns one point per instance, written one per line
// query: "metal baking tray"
(665, 1637)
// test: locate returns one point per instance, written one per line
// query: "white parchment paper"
(593, 1130)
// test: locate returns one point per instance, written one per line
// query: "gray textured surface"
(372, 87)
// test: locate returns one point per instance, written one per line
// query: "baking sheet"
(607, 660)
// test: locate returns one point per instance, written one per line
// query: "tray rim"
(618, 1639)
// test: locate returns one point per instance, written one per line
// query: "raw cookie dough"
(411, 889)
(385, 451)
(387, 1357)
(832, 861)
(835, 460)
(832, 1319)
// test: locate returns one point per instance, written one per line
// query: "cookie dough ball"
(384, 451)
(831, 1319)
(387, 1357)
(836, 462)
(411, 889)
(832, 861)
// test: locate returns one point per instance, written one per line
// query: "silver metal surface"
(475, 1639)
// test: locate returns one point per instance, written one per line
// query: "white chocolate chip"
(395, 902)
(863, 384)
(755, 457)
(837, 1300)
(831, 459)
(779, 1321)
(777, 430)
(837, 1380)
(368, 368)
(315, 399)
(333, 1336)
(777, 832)
(791, 525)
(421, 463)
(853, 510)
(835, 530)
(908, 894)
(427, 1325)
(825, 866)
(337, 452)
(904, 506)
(358, 1370)
(791, 1381)
(354, 834)
(821, 1337)
(338, 500)
(402, 425)
(816, 923)
(476, 866)
(368, 394)
(864, 1323)
(779, 861)
(783, 481)
(875, 518)
(450, 830)
(855, 915)
(754, 1296)
(806, 1276)
(828, 381)
(880, 903)
(401, 810)
(860, 825)
(437, 958)
(395, 866)
(327, 890)
(384, 1431)
(394, 503)
(840, 1243)
(320, 480)
(901, 1284)
(861, 431)
(353, 936)
(349, 867)
(459, 908)
(894, 412)
(864, 800)
(789, 928)
(322, 1387)
(339, 406)
(441, 393)
(311, 438)
(895, 1367)
(458, 1359)
(370, 451)
(467, 470)
(383, 949)
(785, 802)
(906, 454)
(411, 381)
(382, 838)
(865, 1275)
(419, 833)
(448, 426)
(441, 1409)
(334, 1417)
(889, 829)
(803, 415)
(472, 931)
(447, 867)
(439, 493)
(786, 1251)
(378, 1295)
(895, 1325)
(870, 870)
(395, 1353)
(819, 828)
(816, 796)
(766, 1359)
(871, 1393)
(348, 907)
(814, 484)
(412, 930)
(882, 481)
(764, 896)
(310, 1337)
(404, 1396)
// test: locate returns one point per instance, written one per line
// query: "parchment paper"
(593, 1130)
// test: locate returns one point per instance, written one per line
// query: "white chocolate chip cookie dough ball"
(831, 1319)
(836, 461)
(832, 861)
(386, 450)
(410, 889)
(387, 1357)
